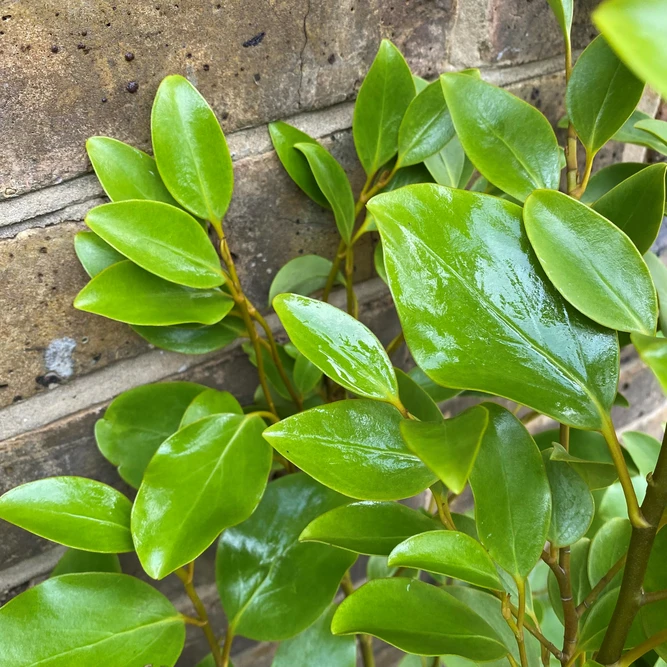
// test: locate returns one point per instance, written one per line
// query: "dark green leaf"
(73, 561)
(302, 275)
(415, 398)
(609, 177)
(630, 134)
(608, 545)
(659, 274)
(210, 402)
(95, 254)
(437, 392)
(596, 474)
(644, 450)
(74, 511)
(653, 352)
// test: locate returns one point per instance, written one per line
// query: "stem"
(443, 511)
(352, 303)
(529, 417)
(655, 596)
(335, 266)
(227, 647)
(587, 174)
(565, 437)
(265, 415)
(365, 641)
(572, 176)
(569, 610)
(395, 344)
(600, 586)
(520, 621)
(637, 652)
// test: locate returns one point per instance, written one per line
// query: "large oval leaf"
(95, 254)
(372, 528)
(91, 619)
(74, 511)
(512, 495)
(160, 238)
(177, 516)
(354, 447)
(210, 402)
(417, 618)
(271, 585)
(591, 262)
(510, 142)
(191, 150)
(127, 293)
(339, 345)
(502, 327)
(644, 450)
(609, 177)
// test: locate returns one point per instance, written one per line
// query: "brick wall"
(65, 67)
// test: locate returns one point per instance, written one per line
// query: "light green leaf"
(593, 264)
(210, 402)
(612, 504)
(126, 172)
(284, 137)
(354, 447)
(160, 238)
(208, 476)
(656, 127)
(512, 496)
(563, 10)
(510, 142)
(417, 618)
(608, 545)
(449, 448)
(630, 134)
(334, 184)
(73, 561)
(450, 166)
(659, 274)
(653, 352)
(372, 528)
(382, 101)
(377, 568)
(95, 254)
(91, 619)
(306, 374)
(416, 399)
(437, 392)
(75, 511)
(609, 177)
(527, 344)
(339, 345)
(644, 450)
(378, 261)
(127, 293)
(191, 150)
(138, 421)
(302, 275)
(596, 474)
(271, 585)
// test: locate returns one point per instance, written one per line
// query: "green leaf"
(317, 646)
(608, 545)
(596, 474)
(450, 166)
(302, 275)
(91, 619)
(510, 142)
(636, 30)
(339, 345)
(415, 398)
(138, 421)
(73, 561)
(127, 293)
(306, 375)
(512, 496)
(612, 502)
(210, 402)
(191, 150)
(284, 137)
(450, 553)
(377, 568)
(572, 505)
(637, 205)
(654, 615)
(126, 172)
(644, 450)
(208, 476)
(593, 264)
(426, 127)
(435, 391)
(449, 448)
(382, 101)
(656, 127)
(563, 10)
(160, 238)
(609, 177)
(335, 186)
(354, 447)
(94, 254)
(372, 528)
(378, 261)
(524, 344)
(417, 618)
(74, 511)
(601, 95)
(659, 274)
(653, 352)
(271, 585)
(630, 134)
(581, 586)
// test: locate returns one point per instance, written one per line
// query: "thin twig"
(590, 599)
(365, 641)
(655, 596)
(633, 655)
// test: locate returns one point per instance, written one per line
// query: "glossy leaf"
(354, 447)
(631, 134)
(138, 421)
(206, 477)
(596, 474)
(191, 150)
(450, 166)
(74, 511)
(637, 205)
(73, 561)
(510, 142)
(416, 399)
(334, 184)
(271, 585)
(449, 448)
(644, 450)
(654, 615)
(601, 95)
(526, 345)
(591, 262)
(653, 352)
(450, 553)
(437, 392)
(306, 374)
(94, 253)
(659, 274)
(609, 177)
(127, 293)
(302, 275)
(563, 10)
(378, 262)
(417, 618)
(608, 545)
(126, 172)
(339, 345)
(426, 127)
(210, 402)
(377, 568)
(120, 620)
(512, 495)
(284, 137)
(383, 99)
(162, 239)
(372, 528)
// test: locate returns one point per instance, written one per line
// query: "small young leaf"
(437, 392)
(631, 134)
(191, 150)
(339, 345)
(73, 561)
(95, 254)
(659, 274)
(653, 352)
(210, 402)
(450, 166)
(416, 399)
(126, 293)
(74, 511)
(596, 474)
(302, 275)
(644, 450)
(609, 177)
(591, 262)
(306, 374)
(657, 128)
(372, 528)
(608, 545)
